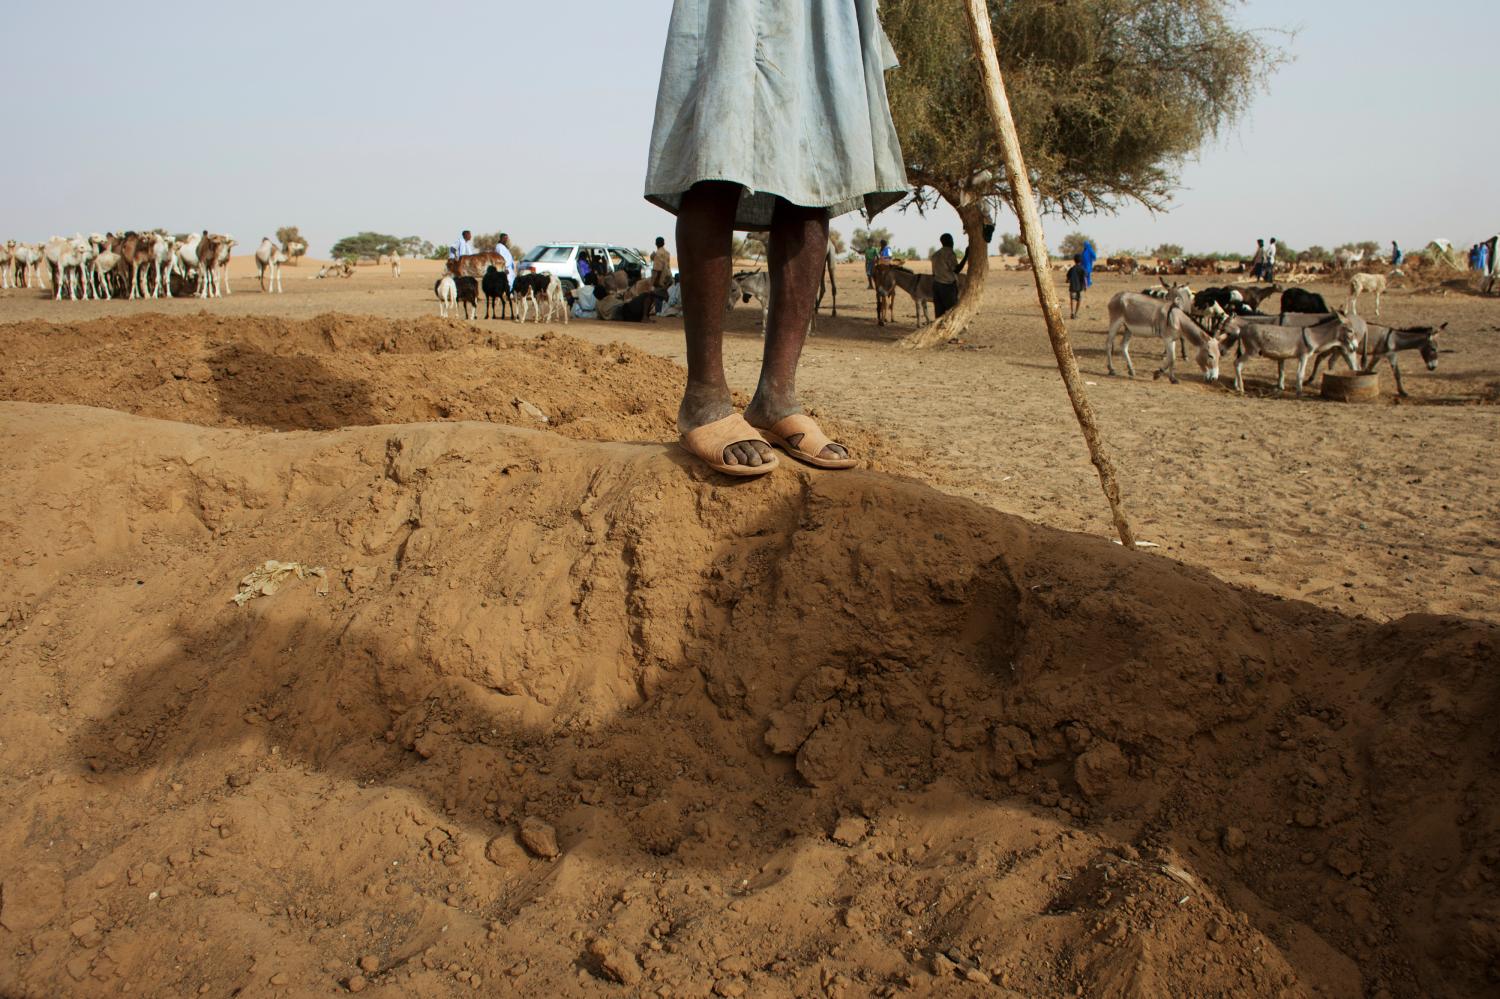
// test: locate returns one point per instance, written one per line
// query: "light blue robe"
(786, 99)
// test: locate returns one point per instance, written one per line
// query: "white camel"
(268, 260)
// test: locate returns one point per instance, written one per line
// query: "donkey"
(752, 284)
(1386, 342)
(1290, 343)
(1175, 323)
(889, 277)
(1134, 312)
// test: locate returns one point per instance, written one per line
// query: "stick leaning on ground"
(1036, 246)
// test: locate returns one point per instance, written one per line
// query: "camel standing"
(268, 260)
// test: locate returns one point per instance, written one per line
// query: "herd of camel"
(132, 264)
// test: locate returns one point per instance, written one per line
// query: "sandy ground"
(563, 715)
(1381, 510)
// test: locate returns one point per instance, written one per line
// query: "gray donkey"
(1137, 313)
(1290, 343)
(1386, 342)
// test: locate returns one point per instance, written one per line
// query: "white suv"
(562, 259)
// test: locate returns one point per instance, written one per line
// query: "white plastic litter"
(267, 578)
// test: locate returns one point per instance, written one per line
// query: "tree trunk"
(976, 267)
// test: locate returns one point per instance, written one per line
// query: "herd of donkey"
(1213, 321)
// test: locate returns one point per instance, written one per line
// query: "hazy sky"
(410, 119)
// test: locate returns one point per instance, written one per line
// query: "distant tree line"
(371, 245)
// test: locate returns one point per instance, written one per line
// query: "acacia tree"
(865, 239)
(290, 238)
(1011, 245)
(1072, 244)
(1109, 97)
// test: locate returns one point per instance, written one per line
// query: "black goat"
(468, 295)
(1302, 300)
(496, 289)
(1224, 298)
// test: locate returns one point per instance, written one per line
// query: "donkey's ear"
(1163, 281)
(1439, 329)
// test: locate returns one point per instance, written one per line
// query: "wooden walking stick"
(1036, 247)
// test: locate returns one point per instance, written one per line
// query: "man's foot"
(702, 406)
(765, 420)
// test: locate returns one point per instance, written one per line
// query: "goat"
(531, 286)
(1302, 300)
(1224, 298)
(1253, 295)
(468, 295)
(1374, 283)
(1131, 312)
(1386, 342)
(1283, 343)
(446, 291)
(496, 289)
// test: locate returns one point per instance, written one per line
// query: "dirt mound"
(339, 370)
(571, 715)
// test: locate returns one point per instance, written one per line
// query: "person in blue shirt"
(1396, 256)
(885, 250)
(1087, 258)
(1077, 282)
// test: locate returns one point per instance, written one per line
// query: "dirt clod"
(539, 838)
(616, 962)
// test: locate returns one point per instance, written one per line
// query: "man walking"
(1087, 259)
(1258, 262)
(945, 270)
(1268, 271)
(1077, 282)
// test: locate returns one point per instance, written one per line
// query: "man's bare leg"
(705, 232)
(795, 253)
